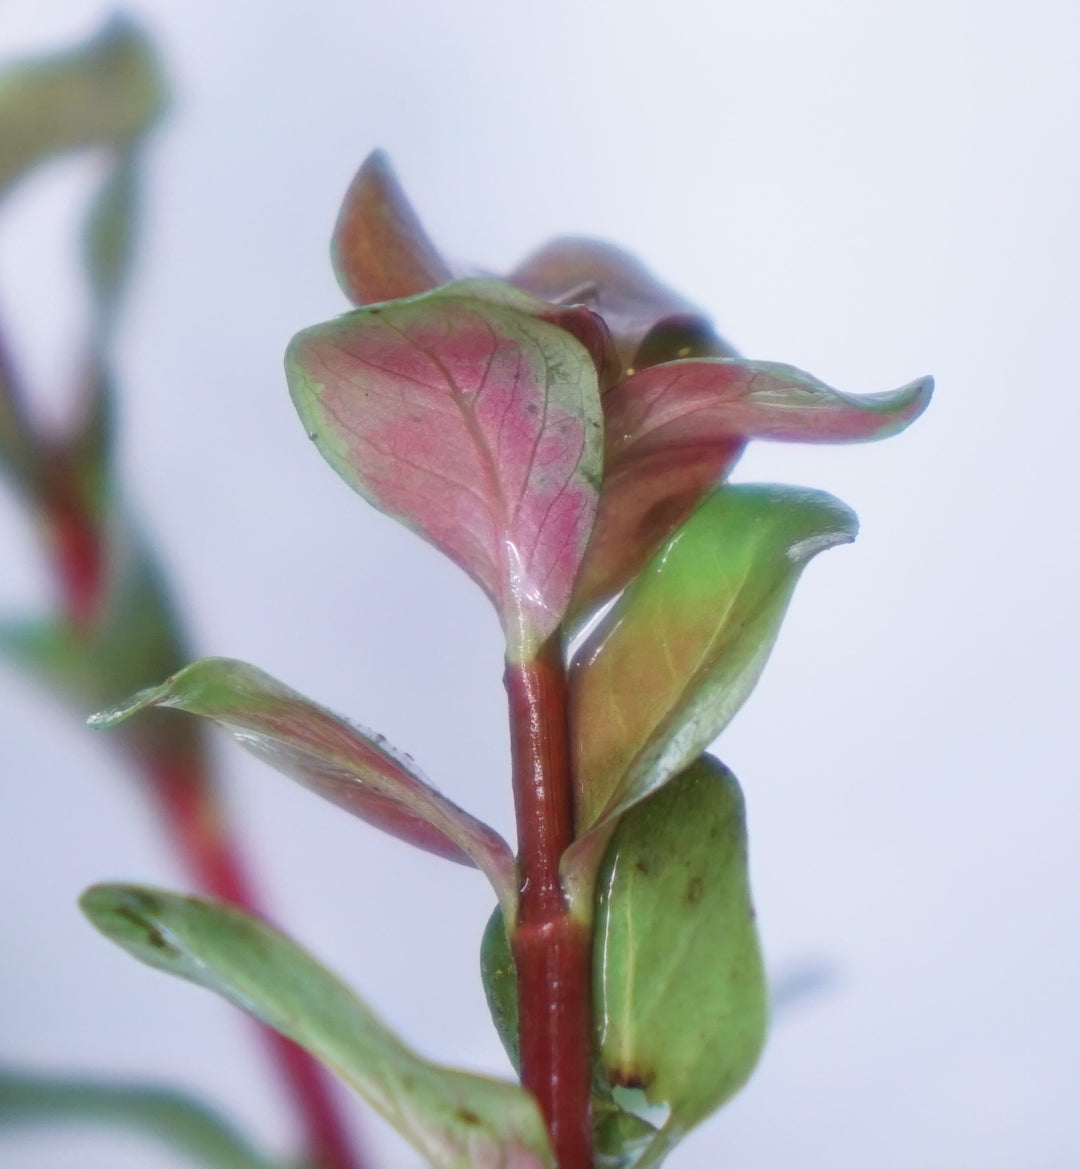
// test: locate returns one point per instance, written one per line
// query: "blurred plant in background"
(113, 627)
(565, 437)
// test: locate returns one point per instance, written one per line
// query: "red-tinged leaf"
(675, 430)
(379, 249)
(635, 305)
(347, 766)
(584, 324)
(473, 422)
(681, 650)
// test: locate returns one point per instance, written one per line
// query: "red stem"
(551, 948)
(198, 833)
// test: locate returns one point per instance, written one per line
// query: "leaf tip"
(127, 915)
(104, 720)
(912, 399)
(808, 548)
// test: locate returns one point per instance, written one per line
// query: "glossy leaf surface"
(185, 1125)
(623, 291)
(680, 651)
(379, 248)
(673, 431)
(455, 1120)
(679, 984)
(475, 423)
(347, 766)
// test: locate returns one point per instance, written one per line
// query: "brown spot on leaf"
(694, 888)
(151, 934)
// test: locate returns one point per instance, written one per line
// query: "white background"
(868, 191)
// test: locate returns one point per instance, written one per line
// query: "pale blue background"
(871, 192)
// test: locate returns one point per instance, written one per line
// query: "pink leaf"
(634, 304)
(345, 765)
(674, 430)
(380, 249)
(474, 422)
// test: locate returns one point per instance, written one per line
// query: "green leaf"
(473, 422)
(108, 238)
(184, 1124)
(454, 1119)
(678, 981)
(681, 650)
(498, 973)
(105, 93)
(619, 1137)
(357, 771)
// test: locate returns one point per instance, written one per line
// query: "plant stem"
(197, 829)
(16, 431)
(78, 553)
(551, 947)
(182, 789)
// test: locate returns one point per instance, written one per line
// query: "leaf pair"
(381, 252)
(457, 409)
(454, 1119)
(679, 991)
(650, 688)
(472, 419)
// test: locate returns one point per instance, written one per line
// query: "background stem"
(551, 948)
(195, 825)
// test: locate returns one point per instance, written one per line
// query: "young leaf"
(175, 1119)
(680, 651)
(379, 249)
(622, 290)
(475, 423)
(454, 1119)
(673, 431)
(679, 985)
(357, 771)
(103, 93)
